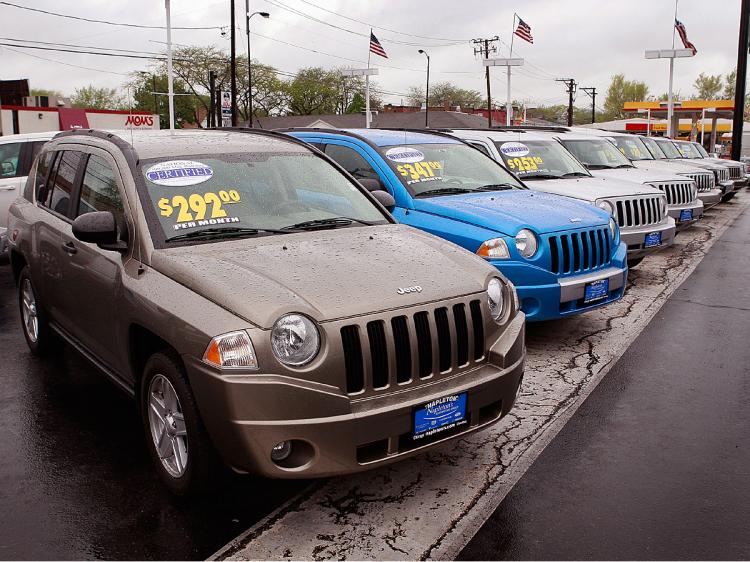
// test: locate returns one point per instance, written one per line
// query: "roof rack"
(127, 149)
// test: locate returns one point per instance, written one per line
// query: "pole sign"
(226, 108)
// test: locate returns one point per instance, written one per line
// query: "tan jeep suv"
(261, 306)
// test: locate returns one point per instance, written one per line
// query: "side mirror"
(371, 184)
(385, 199)
(98, 228)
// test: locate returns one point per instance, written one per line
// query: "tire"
(188, 464)
(634, 262)
(40, 338)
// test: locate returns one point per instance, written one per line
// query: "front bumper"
(694, 210)
(335, 434)
(739, 183)
(636, 237)
(710, 198)
(545, 296)
(726, 187)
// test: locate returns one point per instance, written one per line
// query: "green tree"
(415, 96)
(268, 90)
(144, 84)
(313, 91)
(357, 105)
(620, 91)
(707, 86)
(45, 92)
(98, 98)
(730, 84)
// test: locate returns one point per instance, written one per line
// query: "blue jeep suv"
(563, 256)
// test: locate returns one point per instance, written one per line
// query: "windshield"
(597, 154)
(653, 148)
(702, 151)
(688, 150)
(541, 159)
(669, 149)
(633, 148)
(227, 195)
(442, 169)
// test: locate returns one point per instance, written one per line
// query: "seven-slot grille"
(407, 349)
(735, 172)
(577, 252)
(705, 182)
(677, 193)
(638, 211)
(722, 173)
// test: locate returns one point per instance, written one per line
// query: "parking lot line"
(431, 505)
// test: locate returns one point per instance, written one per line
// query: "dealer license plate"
(596, 290)
(439, 416)
(652, 239)
(686, 215)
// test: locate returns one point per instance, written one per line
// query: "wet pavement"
(75, 478)
(656, 462)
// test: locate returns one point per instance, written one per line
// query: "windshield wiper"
(624, 166)
(222, 232)
(444, 191)
(599, 167)
(541, 176)
(574, 175)
(497, 187)
(322, 224)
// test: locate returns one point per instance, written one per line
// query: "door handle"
(69, 248)
(7, 187)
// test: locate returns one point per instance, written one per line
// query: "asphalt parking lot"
(76, 481)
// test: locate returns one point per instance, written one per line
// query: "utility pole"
(212, 93)
(571, 85)
(592, 93)
(170, 75)
(739, 92)
(233, 69)
(487, 46)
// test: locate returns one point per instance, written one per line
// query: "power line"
(106, 22)
(85, 52)
(66, 63)
(80, 46)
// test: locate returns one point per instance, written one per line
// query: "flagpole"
(367, 84)
(508, 102)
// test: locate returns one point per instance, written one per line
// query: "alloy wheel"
(29, 311)
(167, 425)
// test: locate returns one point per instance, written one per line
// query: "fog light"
(281, 451)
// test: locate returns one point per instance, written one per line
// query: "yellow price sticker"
(419, 170)
(524, 163)
(196, 205)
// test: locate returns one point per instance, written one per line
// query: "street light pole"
(427, 93)
(248, 15)
(170, 80)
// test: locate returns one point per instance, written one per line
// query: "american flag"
(524, 31)
(683, 35)
(376, 47)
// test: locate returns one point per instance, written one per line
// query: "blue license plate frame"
(652, 240)
(686, 215)
(432, 420)
(595, 291)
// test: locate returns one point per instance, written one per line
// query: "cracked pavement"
(431, 505)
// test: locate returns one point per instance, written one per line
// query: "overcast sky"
(589, 40)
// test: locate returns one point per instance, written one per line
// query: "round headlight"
(495, 298)
(526, 243)
(606, 205)
(613, 228)
(295, 340)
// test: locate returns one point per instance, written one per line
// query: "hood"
(639, 175)
(668, 166)
(721, 161)
(591, 189)
(699, 163)
(327, 274)
(508, 212)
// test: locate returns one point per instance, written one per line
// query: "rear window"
(249, 190)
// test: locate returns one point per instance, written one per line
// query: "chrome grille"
(638, 211)
(408, 348)
(678, 193)
(722, 174)
(577, 252)
(735, 172)
(704, 181)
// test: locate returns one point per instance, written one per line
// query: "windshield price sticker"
(179, 173)
(404, 155)
(524, 164)
(421, 171)
(513, 149)
(199, 209)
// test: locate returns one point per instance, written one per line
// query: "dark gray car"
(258, 303)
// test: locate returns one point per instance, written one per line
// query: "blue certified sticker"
(440, 415)
(652, 239)
(179, 173)
(596, 290)
(686, 215)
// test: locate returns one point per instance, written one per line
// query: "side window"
(39, 177)
(351, 161)
(481, 148)
(62, 178)
(10, 160)
(99, 190)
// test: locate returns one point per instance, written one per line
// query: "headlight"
(496, 248)
(295, 340)
(606, 205)
(526, 243)
(495, 298)
(613, 228)
(232, 350)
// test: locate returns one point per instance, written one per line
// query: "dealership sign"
(139, 121)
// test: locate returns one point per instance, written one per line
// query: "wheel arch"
(142, 344)
(17, 263)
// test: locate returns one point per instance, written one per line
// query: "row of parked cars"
(315, 302)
